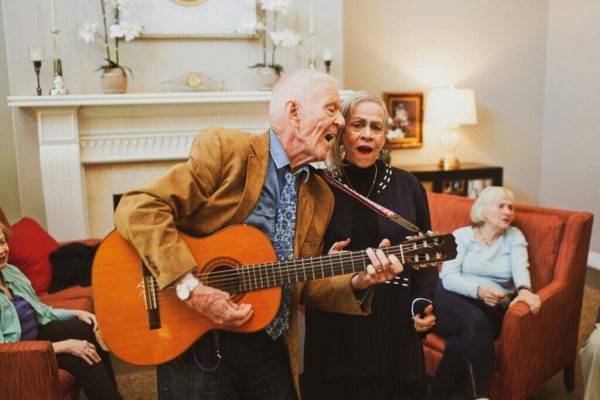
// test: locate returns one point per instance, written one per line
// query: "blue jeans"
(253, 366)
(470, 328)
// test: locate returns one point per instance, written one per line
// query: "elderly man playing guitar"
(265, 181)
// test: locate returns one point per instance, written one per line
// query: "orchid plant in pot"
(266, 26)
(117, 25)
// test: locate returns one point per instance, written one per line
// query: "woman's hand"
(530, 298)
(382, 268)
(426, 323)
(86, 317)
(338, 247)
(490, 296)
(79, 348)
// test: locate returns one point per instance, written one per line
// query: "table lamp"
(450, 108)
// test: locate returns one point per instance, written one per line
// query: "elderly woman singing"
(489, 274)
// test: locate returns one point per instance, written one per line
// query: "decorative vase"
(267, 77)
(114, 80)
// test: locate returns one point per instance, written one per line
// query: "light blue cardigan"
(10, 328)
(503, 265)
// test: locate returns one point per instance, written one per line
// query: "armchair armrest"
(525, 336)
(28, 370)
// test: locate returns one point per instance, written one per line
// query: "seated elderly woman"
(489, 274)
(24, 317)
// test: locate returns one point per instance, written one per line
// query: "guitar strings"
(232, 286)
(289, 271)
(291, 266)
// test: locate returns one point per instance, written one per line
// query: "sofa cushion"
(544, 234)
(448, 212)
(30, 246)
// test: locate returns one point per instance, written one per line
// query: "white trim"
(593, 260)
(144, 99)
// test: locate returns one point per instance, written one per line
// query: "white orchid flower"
(286, 38)
(277, 6)
(131, 30)
(88, 31)
(116, 31)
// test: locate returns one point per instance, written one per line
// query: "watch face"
(183, 292)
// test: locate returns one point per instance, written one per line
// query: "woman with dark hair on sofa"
(489, 274)
(24, 317)
(344, 355)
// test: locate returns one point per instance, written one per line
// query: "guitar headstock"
(428, 250)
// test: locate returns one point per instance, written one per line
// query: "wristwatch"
(184, 289)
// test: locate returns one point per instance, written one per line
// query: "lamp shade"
(451, 107)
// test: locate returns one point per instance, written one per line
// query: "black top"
(385, 342)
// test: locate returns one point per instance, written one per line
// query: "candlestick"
(54, 31)
(58, 84)
(327, 58)
(312, 62)
(36, 54)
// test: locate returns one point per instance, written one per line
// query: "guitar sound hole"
(224, 276)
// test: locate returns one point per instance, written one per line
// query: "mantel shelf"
(142, 99)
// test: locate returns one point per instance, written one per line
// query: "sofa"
(29, 369)
(531, 349)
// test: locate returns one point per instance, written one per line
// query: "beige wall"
(571, 147)
(495, 47)
(9, 195)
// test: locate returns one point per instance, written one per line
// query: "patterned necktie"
(283, 241)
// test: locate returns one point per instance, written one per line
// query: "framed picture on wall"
(194, 19)
(405, 125)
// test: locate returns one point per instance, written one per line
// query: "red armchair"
(28, 370)
(531, 349)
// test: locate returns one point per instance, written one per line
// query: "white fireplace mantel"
(73, 131)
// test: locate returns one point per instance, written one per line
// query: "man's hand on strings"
(217, 306)
(382, 268)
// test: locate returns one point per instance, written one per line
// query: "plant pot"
(267, 77)
(113, 80)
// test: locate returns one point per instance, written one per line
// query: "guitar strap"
(377, 208)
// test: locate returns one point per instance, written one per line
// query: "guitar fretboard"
(262, 276)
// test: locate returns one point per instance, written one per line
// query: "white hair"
(296, 85)
(488, 197)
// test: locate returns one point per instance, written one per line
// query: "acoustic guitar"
(146, 326)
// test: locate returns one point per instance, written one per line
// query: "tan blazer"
(218, 186)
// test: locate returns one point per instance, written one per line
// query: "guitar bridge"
(150, 298)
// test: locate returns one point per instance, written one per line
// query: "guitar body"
(120, 300)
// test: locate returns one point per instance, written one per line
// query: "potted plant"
(266, 26)
(114, 76)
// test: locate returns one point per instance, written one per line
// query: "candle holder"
(58, 84)
(36, 53)
(312, 60)
(37, 65)
(327, 58)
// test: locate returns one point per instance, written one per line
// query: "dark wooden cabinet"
(468, 180)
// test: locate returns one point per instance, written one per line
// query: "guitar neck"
(268, 275)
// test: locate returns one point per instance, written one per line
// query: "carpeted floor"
(136, 383)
